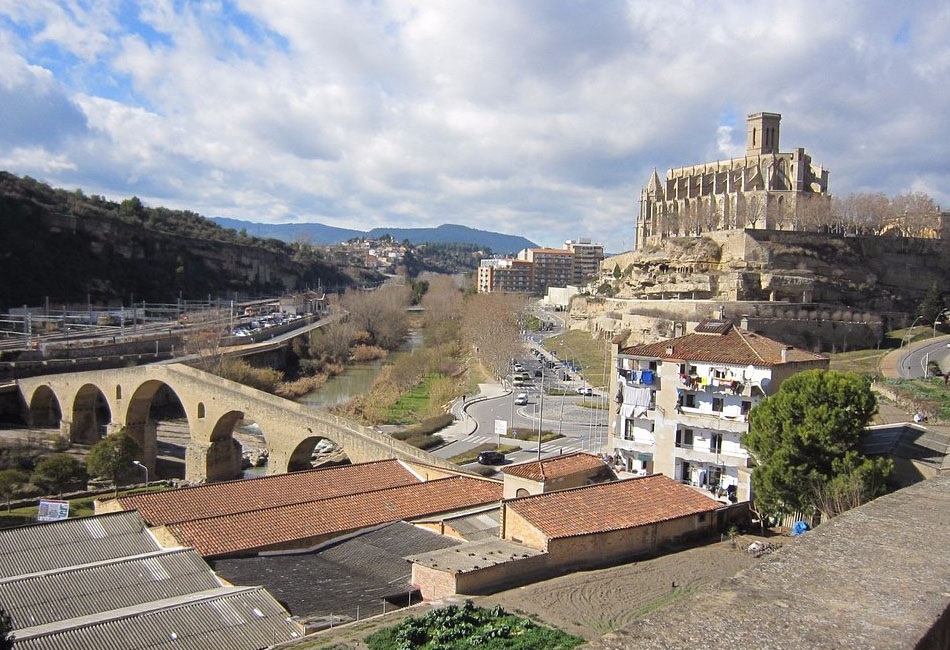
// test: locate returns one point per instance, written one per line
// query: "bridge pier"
(145, 434)
(215, 461)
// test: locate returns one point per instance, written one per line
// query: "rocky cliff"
(68, 248)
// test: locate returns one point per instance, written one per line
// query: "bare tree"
(381, 314)
(917, 211)
(754, 210)
(491, 325)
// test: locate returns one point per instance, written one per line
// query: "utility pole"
(541, 413)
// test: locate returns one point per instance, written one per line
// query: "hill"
(316, 233)
(64, 247)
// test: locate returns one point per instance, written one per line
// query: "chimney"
(669, 350)
(785, 353)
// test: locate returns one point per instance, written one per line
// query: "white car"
(521, 399)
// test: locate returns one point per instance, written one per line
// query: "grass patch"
(471, 455)
(587, 352)
(529, 434)
(930, 395)
(78, 507)
(862, 362)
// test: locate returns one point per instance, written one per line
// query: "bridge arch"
(44, 408)
(213, 406)
(91, 415)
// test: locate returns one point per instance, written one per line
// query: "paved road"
(913, 361)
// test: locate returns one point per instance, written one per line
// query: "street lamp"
(135, 462)
(909, 332)
(940, 315)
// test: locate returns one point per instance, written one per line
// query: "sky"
(539, 118)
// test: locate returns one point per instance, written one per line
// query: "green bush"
(470, 627)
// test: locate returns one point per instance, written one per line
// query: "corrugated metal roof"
(71, 592)
(55, 545)
(228, 617)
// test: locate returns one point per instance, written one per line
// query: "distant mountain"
(317, 233)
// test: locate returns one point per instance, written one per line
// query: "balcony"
(705, 455)
(713, 421)
(715, 386)
(641, 379)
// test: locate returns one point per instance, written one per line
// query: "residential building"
(537, 269)
(553, 267)
(505, 275)
(682, 405)
(765, 189)
(587, 259)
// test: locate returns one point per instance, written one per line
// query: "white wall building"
(682, 405)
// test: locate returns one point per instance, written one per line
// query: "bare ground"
(587, 604)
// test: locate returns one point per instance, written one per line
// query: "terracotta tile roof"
(556, 466)
(216, 499)
(611, 506)
(734, 346)
(279, 527)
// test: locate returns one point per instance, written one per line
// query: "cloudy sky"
(540, 118)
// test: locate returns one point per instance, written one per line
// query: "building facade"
(765, 189)
(505, 275)
(682, 405)
(537, 269)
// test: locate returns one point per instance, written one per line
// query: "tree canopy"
(6, 630)
(804, 439)
(58, 472)
(112, 457)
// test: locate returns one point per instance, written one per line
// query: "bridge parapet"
(213, 406)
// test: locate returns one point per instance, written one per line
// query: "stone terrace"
(874, 577)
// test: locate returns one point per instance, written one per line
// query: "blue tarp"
(799, 527)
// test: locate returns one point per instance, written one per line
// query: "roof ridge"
(311, 501)
(749, 345)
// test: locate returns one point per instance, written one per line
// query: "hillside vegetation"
(69, 248)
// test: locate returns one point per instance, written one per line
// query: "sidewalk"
(465, 425)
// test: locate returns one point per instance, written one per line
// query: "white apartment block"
(682, 405)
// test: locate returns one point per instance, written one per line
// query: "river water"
(355, 380)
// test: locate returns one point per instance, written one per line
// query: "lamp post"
(940, 315)
(909, 332)
(135, 462)
(540, 413)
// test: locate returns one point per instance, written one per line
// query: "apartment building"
(587, 259)
(536, 269)
(505, 275)
(682, 405)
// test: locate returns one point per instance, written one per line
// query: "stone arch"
(44, 408)
(301, 458)
(222, 453)
(91, 415)
(143, 426)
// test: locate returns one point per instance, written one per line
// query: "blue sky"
(536, 117)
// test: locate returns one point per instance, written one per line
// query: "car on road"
(491, 458)
(538, 373)
(519, 367)
(585, 390)
(521, 399)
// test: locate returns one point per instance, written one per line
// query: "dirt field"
(587, 604)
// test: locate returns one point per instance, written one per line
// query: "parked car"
(538, 373)
(491, 458)
(585, 390)
(521, 399)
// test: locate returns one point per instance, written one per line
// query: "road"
(914, 361)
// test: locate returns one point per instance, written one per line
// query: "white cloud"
(534, 118)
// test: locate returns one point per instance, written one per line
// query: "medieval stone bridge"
(86, 405)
